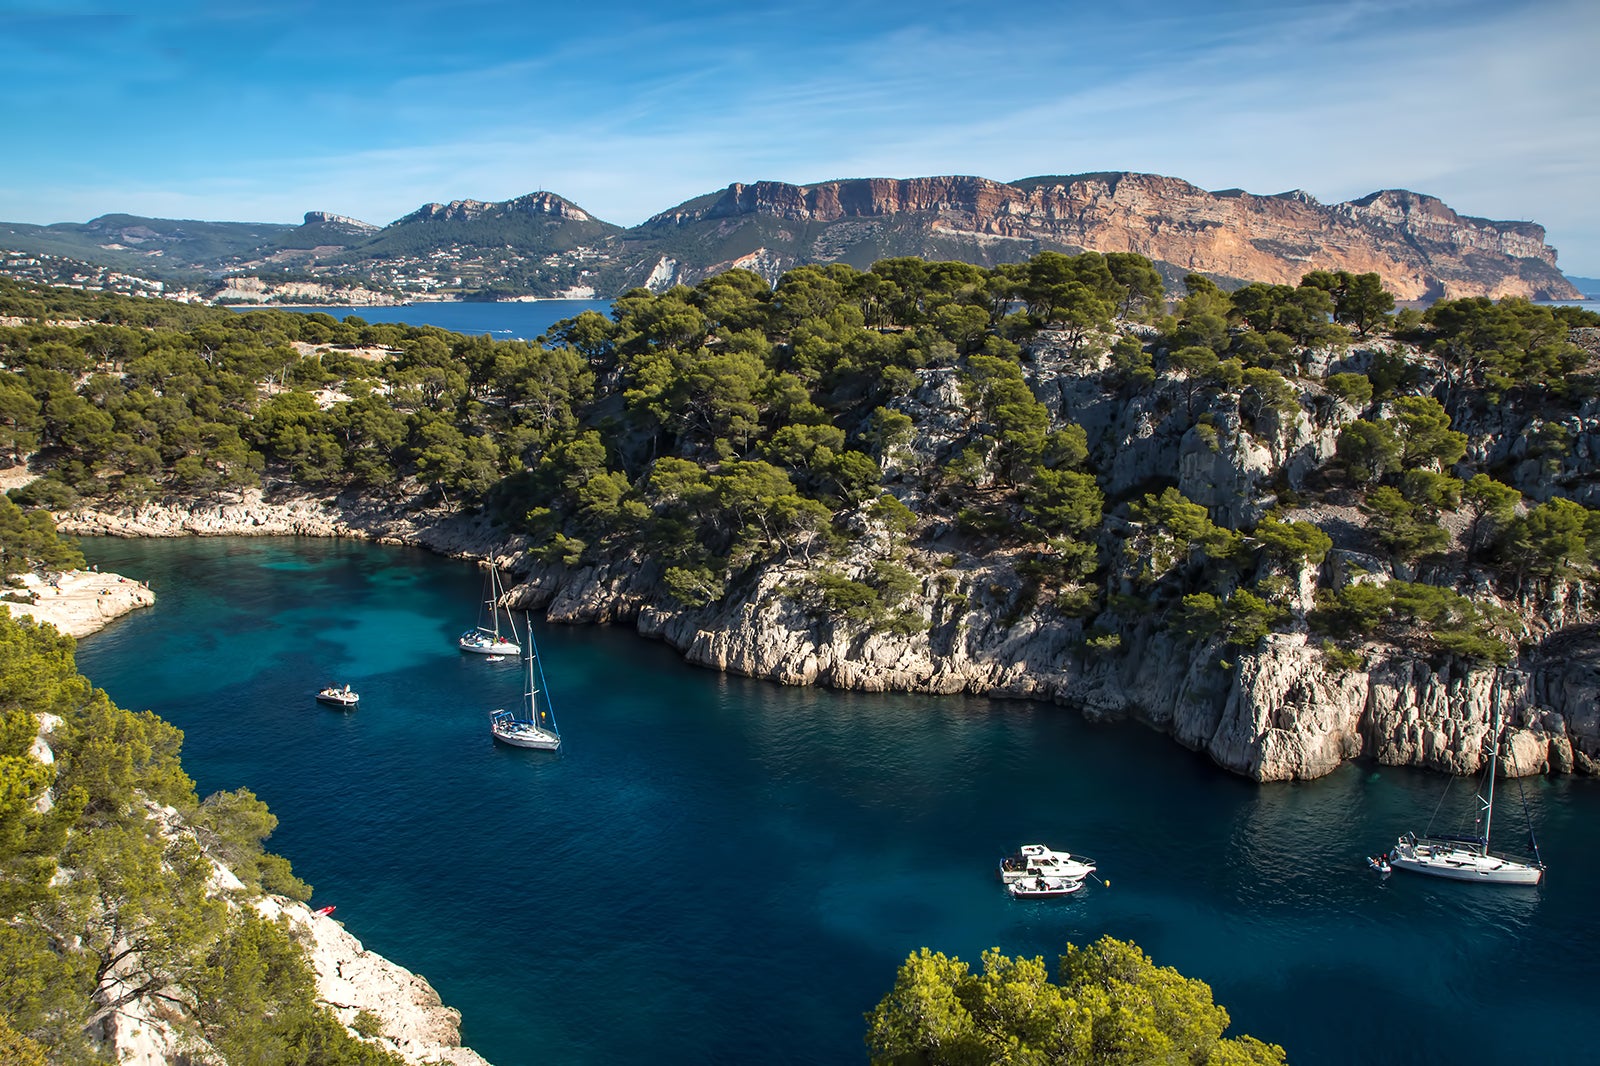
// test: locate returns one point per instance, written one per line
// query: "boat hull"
(536, 739)
(489, 647)
(1043, 888)
(1462, 864)
(519, 734)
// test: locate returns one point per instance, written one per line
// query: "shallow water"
(719, 870)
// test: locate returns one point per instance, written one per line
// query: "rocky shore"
(412, 1021)
(415, 1022)
(1279, 711)
(79, 602)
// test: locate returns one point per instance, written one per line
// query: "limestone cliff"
(1421, 248)
(1281, 710)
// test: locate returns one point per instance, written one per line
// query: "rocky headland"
(1284, 708)
(78, 602)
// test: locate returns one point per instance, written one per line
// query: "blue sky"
(261, 110)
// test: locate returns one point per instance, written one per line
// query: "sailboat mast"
(1494, 764)
(494, 600)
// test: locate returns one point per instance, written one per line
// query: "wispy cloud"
(267, 110)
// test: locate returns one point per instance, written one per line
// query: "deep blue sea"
(721, 870)
(509, 320)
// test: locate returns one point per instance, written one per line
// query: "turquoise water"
(502, 321)
(718, 870)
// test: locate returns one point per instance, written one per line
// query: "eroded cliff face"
(1279, 711)
(1421, 248)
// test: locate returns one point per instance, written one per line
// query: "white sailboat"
(1467, 857)
(537, 728)
(486, 639)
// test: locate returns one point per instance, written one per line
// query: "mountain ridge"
(543, 244)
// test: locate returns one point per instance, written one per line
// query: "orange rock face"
(1420, 247)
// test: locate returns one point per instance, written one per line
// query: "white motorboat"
(1467, 857)
(537, 729)
(1036, 860)
(339, 696)
(485, 639)
(1043, 887)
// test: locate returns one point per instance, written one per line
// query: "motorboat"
(339, 696)
(1037, 860)
(1043, 887)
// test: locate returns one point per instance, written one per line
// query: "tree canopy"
(1109, 1005)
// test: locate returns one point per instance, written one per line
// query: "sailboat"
(1467, 857)
(486, 639)
(537, 727)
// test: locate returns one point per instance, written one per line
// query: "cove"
(508, 320)
(722, 870)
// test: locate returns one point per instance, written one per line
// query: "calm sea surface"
(503, 321)
(719, 870)
(520, 321)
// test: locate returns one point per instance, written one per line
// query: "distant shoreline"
(411, 303)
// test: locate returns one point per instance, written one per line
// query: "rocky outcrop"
(327, 218)
(1420, 247)
(79, 602)
(412, 1021)
(415, 1023)
(537, 203)
(285, 512)
(254, 290)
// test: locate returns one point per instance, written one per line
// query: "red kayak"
(325, 910)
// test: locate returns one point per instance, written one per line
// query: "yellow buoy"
(1108, 884)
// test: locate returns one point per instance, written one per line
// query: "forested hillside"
(933, 458)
